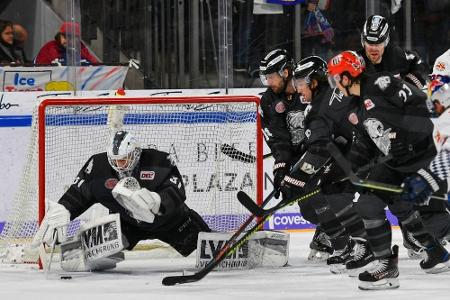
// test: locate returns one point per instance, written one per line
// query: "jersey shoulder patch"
(280, 107)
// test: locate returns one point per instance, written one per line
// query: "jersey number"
(405, 92)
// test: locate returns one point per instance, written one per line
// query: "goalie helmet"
(439, 86)
(275, 62)
(312, 67)
(123, 152)
(375, 31)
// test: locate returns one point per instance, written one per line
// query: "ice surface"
(141, 279)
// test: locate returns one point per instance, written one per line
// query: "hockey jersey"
(389, 109)
(154, 172)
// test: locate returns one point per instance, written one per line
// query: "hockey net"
(215, 142)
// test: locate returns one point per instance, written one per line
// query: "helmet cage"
(124, 152)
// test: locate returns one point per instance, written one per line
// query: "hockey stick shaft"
(368, 184)
(229, 248)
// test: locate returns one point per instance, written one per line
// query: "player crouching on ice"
(145, 195)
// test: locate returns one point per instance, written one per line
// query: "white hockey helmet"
(439, 86)
(123, 151)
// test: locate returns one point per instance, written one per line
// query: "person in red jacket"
(55, 51)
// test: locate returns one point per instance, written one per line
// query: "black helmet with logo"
(311, 67)
(376, 30)
(275, 62)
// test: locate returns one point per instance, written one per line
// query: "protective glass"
(268, 77)
(300, 83)
(333, 80)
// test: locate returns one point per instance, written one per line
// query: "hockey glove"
(54, 225)
(418, 187)
(279, 171)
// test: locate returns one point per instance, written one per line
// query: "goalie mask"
(123, 152)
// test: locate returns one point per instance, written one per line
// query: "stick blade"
(174, 280)
(233, 153)
(249, 204)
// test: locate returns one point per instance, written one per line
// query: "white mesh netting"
(202, 139)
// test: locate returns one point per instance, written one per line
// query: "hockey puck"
(66, 277)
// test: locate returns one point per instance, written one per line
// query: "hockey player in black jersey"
(282, 115)
(142, 186)
(381, 55)
(333, 209)
(392, 114)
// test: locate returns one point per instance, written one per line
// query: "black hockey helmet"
(311, 67)
(275, 62)
(375, 31)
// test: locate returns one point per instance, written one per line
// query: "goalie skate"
(320, 247)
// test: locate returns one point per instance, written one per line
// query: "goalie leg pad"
(263, 249)
(97, 247)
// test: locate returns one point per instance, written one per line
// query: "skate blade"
(383, 284)
(338, 269)
(315, 256)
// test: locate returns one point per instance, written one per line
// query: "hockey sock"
(379, 236)
(415, 226)
(327, 218)
(352, 221)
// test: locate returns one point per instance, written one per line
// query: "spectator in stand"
(55, 51)
(20, 37)
(7, 52)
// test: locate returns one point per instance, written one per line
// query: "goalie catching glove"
(54, 225)
(140, 202)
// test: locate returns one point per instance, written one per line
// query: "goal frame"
(142, 100)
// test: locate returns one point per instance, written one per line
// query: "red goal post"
(171, 124)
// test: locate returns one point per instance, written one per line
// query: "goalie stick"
(234, 153)
(346, 166)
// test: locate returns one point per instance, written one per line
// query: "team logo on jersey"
(378, 134)
(368, 104)
(147, 175)
(110, 183)
(440, 66)
(296, 124)
(280, 108)
(353, 118)
(383, 82)
(337, 94)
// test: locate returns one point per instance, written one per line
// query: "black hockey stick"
(234, 153)
(228, 248)
(259, 211)
(367, 184)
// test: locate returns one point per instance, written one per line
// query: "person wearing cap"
(382, 55)
(54, 52)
